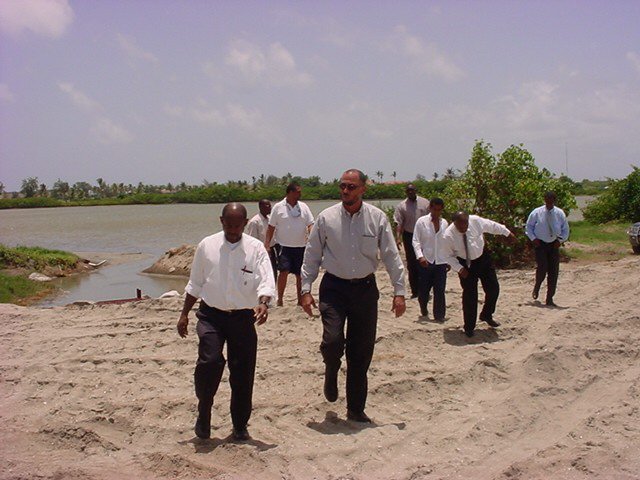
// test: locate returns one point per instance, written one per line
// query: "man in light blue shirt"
(547, 228)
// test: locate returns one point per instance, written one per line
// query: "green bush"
(35, 258)
(505, 188)
(620, 202)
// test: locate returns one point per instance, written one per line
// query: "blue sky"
(167, 91)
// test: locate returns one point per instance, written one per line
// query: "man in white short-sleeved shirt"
(257, 228)
(231, 274)
(290, 222)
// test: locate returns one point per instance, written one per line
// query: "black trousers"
(481, 269)
(237, 329)
(356, 304)
(432, 277)
(548, 265)
(412, 262)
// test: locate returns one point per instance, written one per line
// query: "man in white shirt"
(427, 245)
(346, 241)
(406, 214)
(232, 276)
(290, 221)
(464, 249)
(548, 228)
(257, 228)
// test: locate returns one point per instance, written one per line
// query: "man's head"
(550, 199)
(264, 206)
(436, 205)
(353, 184)
(233, 219)
(411, 192)
(461, 221)
(294, 191)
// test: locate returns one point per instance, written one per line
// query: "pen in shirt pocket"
(245, 270)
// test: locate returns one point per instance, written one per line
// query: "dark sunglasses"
(349, 186)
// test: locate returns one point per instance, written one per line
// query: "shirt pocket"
(369, 244)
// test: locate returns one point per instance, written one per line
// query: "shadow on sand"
(334, 425)
(456, 337)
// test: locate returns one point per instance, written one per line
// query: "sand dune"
(105, 392)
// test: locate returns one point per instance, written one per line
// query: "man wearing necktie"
(463, 248)
(547, 227)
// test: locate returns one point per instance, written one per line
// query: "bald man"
(231, 274)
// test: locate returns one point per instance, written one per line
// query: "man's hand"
(183, 323)
(537, 242)
(464, 273)
(261, 313)
(398, 306)
(512, 239)
(308, 302)
(423, 262)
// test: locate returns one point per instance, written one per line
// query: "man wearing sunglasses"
(346, 240)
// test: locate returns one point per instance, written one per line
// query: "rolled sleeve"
(197, 277)
(267, 285)
(391, 258)
(312, 256)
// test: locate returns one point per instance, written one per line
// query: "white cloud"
(133, 50)
(634, 60)
(6, 95)
(108, 132)
(79, 99)
(103, 129)
(49, 18)
(274, 65)
(425, 57)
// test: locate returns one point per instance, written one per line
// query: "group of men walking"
(234, 276)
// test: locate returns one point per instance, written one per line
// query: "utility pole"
(566, 159)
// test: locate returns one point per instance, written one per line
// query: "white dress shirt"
(257, 228)
(231, 276)
(347, 246)
(453, 240)
(547, 225)
(291, 223)
(427, 242)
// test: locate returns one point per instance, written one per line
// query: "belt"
(353, 281)
(209, 309)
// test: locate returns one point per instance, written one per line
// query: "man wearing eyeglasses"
(345, 240)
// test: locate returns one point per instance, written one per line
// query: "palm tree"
(379, 174)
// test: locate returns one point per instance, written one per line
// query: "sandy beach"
(106, 392)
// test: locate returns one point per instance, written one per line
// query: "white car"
(634, 236)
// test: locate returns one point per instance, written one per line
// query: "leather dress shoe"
(241, 434)
(331, 384)
(535, 293)
(358, 417)
(202, 428)
(468, 333)
(550, 303)
(491, 322)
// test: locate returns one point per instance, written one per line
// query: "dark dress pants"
(412, 262)
(481, 269)
(273, 256)
(548, 265)
(237, 329)
(356, 304)
(433, 276)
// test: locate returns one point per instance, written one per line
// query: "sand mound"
(106, 392)
(176, 261)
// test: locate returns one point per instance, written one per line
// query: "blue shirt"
(547, 225)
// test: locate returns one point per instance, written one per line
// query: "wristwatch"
(304, 292)
(265, 303)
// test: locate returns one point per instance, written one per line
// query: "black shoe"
(535, 293)
(358, 417)
(202, 429)
(468, 333)
(550, 303)
(241, 434)
(490, 321)
(331, 383)
(440, 320)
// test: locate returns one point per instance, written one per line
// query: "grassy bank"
(17, 263)
(591, 242)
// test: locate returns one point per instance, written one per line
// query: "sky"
(164, 91)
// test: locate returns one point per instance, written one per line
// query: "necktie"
(550, 226)
(466, 250)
